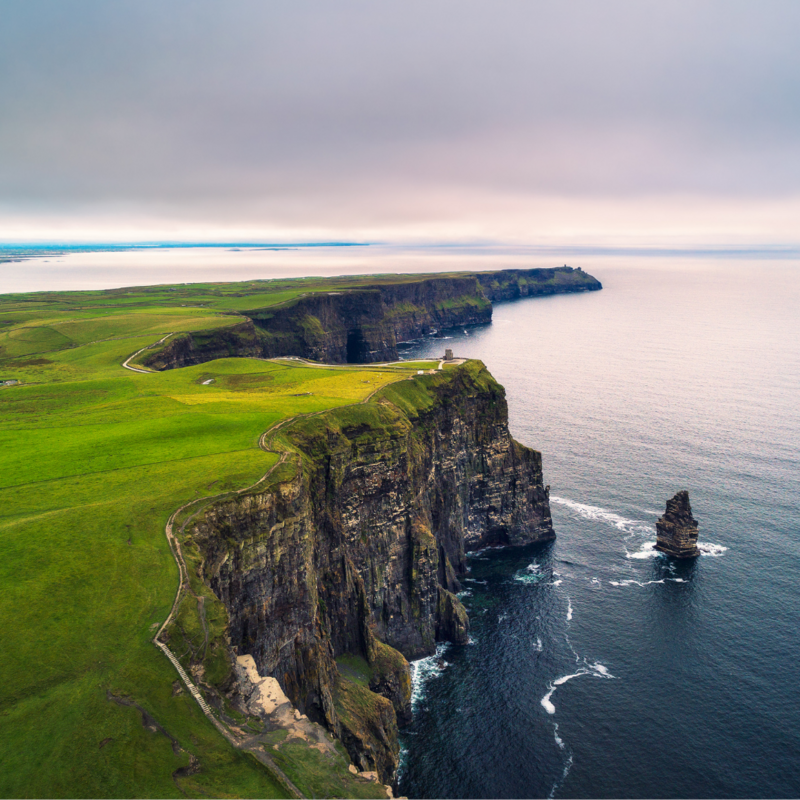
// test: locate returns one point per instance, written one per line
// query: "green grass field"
(93, 460)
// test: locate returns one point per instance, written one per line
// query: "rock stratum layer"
(676, 531)
(356, 550)
(365, 324)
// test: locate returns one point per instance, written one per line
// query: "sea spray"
(424, 670)
(629, 526)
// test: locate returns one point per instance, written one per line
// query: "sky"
(599, 123)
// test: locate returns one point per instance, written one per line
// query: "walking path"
(237, 738)
(126, 362)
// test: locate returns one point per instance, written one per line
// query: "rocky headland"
(364, 324)
(348, 563)
(676, 530)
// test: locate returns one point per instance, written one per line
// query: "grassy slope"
(93, 459)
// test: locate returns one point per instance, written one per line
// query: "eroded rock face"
(676, 531)
(364, 324)
(355, 326)
(360, 551)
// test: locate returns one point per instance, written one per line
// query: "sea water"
(597, 667)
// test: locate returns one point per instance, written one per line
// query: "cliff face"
(512, 284)
(363, 325)
(354, 326)
(183, 350)
(357, 553)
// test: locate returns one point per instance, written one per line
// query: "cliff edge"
(349, 563)
(362, 322)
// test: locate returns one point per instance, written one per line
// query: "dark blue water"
(598, 668)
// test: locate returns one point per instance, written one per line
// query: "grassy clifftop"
(345, 319)
(93, 460)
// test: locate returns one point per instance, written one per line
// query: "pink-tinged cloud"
(516, 120)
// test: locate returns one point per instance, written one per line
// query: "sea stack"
(676, 531)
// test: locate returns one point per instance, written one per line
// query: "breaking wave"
(596, 670)
(531, 574)
(710, 549)
(629, 526)
(647, 550)
(424, 670)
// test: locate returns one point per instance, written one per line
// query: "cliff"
(358, 326)
(676, 530)
(364, 323)
(353, 555)
(513, 284)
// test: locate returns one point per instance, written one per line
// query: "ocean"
(596, 667)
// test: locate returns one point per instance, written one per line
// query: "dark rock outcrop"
(676, 531)
(364, 324)
(358, 548)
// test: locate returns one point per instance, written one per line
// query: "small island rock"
(676, 531)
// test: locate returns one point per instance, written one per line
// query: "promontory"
(231, 517)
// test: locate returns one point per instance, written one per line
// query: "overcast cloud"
(517, 119)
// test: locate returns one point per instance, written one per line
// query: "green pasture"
(93, 460)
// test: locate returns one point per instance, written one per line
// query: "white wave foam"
(564, 678)
(546, 704)
(569, 610)
(464, 593)
(471, 640)
(424, 669)
(603, 515)
(565, 772)
(538, 646)
(474, 580)
(600, 669)
(710, 549)
(531, 574)
(629, 582)
(556, 583)
(595, 670)
(559, 740)
(648, 550)
(677, 580)
(527, 577)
